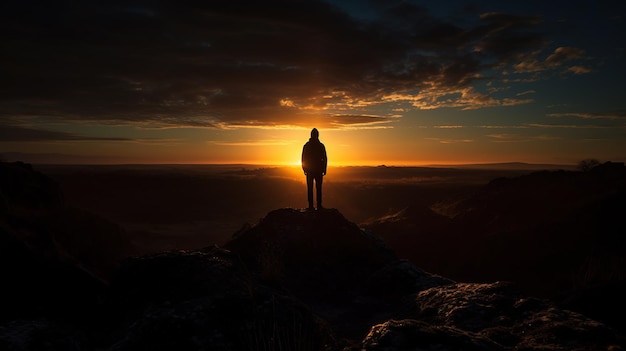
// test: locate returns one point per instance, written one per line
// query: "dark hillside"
(553, 232)
(53, 259)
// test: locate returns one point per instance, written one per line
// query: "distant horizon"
(513, 164)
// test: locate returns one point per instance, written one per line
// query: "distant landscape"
(511, 221)
(190, 206)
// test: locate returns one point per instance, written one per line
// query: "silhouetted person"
(314, 165)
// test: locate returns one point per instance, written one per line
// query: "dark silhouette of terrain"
(52, 257)
(297, 280)
(558, 234)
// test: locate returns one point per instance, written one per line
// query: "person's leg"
(309, 189)
(319, 180)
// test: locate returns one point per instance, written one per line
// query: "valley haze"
(190, 205)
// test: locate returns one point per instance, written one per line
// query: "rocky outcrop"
(327, 262)
(489, 317)
(410, 334)
(311, 252)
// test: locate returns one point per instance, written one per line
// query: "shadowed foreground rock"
(489, 317)
(297, 280)
(205, 300)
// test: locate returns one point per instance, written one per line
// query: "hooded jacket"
(314, 159)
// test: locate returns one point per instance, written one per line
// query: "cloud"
(579, 70)
(562, 54)
(506, 35)
(245, 63)
(466, 98)
(350, 120)
(253, 143)
(588, 115)
(508, 137)
(17, 133)
(504, 127)
(450, 141)
(559, 58)
(567, 126)
(520, 138)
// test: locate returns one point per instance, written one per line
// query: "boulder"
(490, 316)
(409, 334)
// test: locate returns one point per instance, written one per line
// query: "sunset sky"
(242, 81)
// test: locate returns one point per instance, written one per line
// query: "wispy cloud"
(448, 127)
(579, 69)
(253, 143)
(504, 127)
(520, 138)
(587, 115)
(567, 126)
(466, 98)
(508, 137)
(450, 141)
(568, 59)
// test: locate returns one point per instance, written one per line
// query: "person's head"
(315, 134)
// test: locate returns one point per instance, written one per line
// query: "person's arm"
(325, 158)
(302, 159)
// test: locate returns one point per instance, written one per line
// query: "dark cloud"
(506, 35)
(563, 54)
(615, 115)
(210, 64)
(15, 133)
